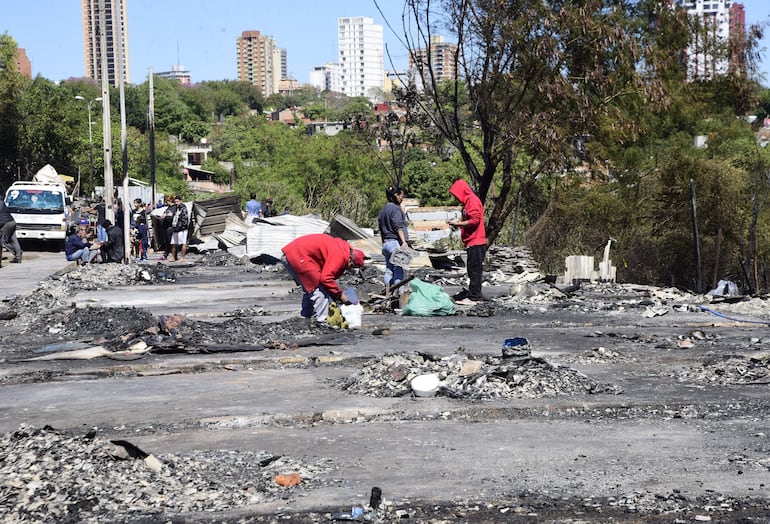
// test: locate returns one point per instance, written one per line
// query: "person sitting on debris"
(179, 224)
(113, 249)
(8, 233)
(253, 208)
(474, 237)
(393, 233)
(78, 248)
(315, 262)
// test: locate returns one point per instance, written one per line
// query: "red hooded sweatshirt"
(319, 260)
(474, 234)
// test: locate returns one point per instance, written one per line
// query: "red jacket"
(319, 260)
(474, 234)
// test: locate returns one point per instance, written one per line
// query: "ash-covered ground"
(598, 355)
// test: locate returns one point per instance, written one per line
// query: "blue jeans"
(84, 255)
(101, 233)
(393, 274)
(315, 304)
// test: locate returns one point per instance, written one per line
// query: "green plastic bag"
(427, 300)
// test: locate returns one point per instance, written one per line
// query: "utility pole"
(151, 131)
(109, 187)
(91, 182)
(696, 240)
(127, 205)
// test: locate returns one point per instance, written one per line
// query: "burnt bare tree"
(534, 80)
(393, 131)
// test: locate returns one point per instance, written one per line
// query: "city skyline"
(161, 36)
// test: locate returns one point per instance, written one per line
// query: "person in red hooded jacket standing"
(474, 237)
(315, 262)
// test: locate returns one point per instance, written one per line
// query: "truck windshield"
(34, 201)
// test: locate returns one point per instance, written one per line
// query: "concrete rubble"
(463, 376)
(49, 476)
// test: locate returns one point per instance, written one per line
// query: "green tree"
(171, 111)
(194, 130)
(534, 77)
(11, 86)
(52, 128)
(221, 175)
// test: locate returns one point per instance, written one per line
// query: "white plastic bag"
(352, 314)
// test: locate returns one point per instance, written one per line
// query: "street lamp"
(90, 140)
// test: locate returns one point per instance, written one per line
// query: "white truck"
(41, 207)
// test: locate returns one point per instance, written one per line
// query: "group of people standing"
(256, 209)
(316, 261)
(175, 223)
(394, 236)
(107, 244)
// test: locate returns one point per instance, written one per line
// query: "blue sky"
(202, 33)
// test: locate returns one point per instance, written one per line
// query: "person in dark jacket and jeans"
(474, 237)
(78, 248)
(8, 232)
(393, 233)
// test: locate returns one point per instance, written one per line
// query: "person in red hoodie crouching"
(315, 262)
(474, 237)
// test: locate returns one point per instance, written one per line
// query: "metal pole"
(151, 132)
(90, 140)
(696, 240)
(127, 203)
(91, 150)
(109, 184)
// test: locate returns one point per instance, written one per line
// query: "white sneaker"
(466, 302)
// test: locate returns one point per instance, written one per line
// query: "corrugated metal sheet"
(343, 227)
(211, 215)
(266, 236)
(430, 223)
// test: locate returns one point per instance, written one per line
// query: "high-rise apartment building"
(259, 61)
(361, 56)
(280, 57)
(326, 77)
(115, 20)
(20, 63)
(716, 46)
(23, 65)
(439, 55)
(279, 65)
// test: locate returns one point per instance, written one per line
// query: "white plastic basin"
(425, 385)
